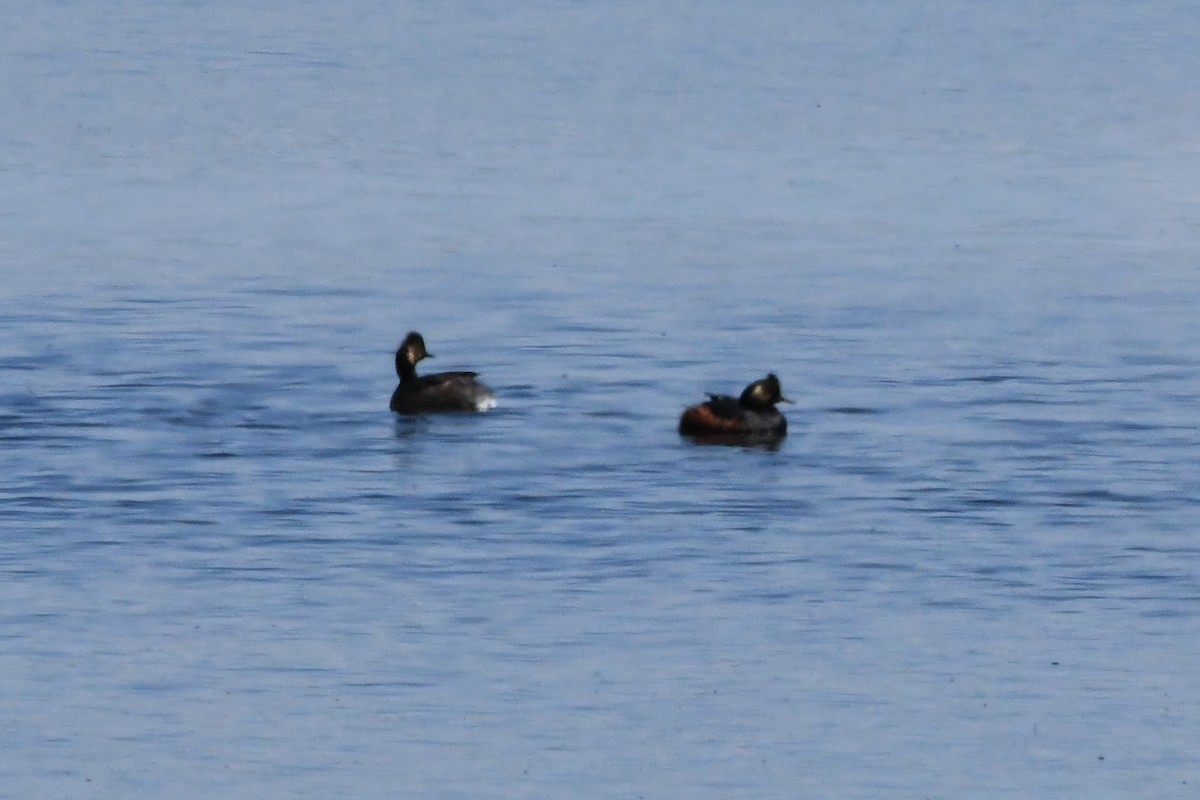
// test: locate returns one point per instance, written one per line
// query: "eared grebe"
(442, 391)
(749, 418)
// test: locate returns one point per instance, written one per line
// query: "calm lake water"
(965, 237)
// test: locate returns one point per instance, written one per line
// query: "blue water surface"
(964, 236)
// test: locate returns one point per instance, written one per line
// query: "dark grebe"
(442, 391)
(750, 418)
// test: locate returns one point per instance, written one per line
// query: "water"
(963, 237)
